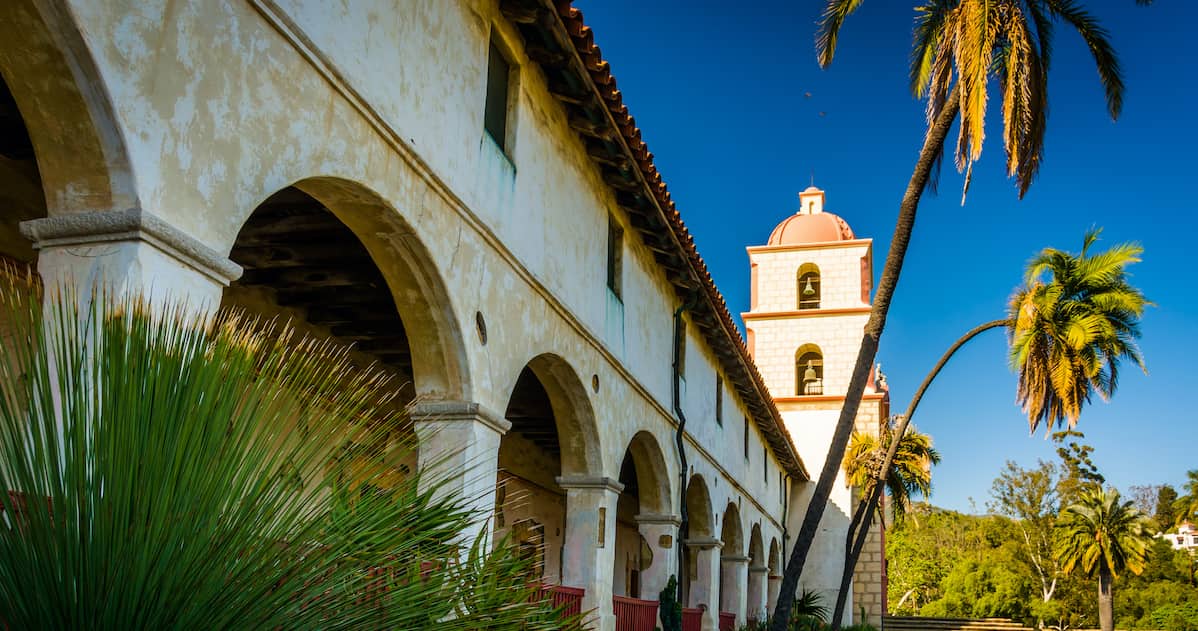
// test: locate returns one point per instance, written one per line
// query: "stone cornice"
(446, 411)
(753, 249)
(804, 313)
(664, 520)
(703, 543)
(133, 224)
(601, 483)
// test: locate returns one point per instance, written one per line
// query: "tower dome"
(811, 224)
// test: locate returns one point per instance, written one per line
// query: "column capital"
(759, 569)
(434, 411)
(658, 519)
(730, 559)
(703, 543)
(601, 483)
(132, 224)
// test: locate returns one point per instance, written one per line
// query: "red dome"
(811, 228)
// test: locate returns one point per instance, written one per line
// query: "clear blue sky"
(719, 91)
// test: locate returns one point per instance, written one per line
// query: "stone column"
(775, 588)
(735, 571)
(588, 556)
(459, 453)
(757, 597)
(661, 532)
(705, 588)
(128, 252)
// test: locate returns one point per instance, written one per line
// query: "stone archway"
(700, 576)
(645, 525)
(774, 575)
(733, 563)
(46, 66)
(758, 570)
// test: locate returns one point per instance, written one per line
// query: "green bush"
(668, 607)
(217, 473)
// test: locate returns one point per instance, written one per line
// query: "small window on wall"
(615, 258)
(719, 401)
(808, 286)
(781, 488)
(809, 370)
(765, 465)
(495, 118)
(746, 439)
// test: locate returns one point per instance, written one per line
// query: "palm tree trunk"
(933, 146)
(1106, 612)
(863, 516)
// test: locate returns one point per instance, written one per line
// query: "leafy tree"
(1030, 498)
(1165, 499)
(1078, 471)
(217, 473)
(1185, 508)
(1103, 536)
(1143, 497)
(960, 45)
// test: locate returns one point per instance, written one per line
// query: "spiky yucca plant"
(166, 470)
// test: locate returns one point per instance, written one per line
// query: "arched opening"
(774, 575)
(808, 286)
(304, 266)
(732, 563)
(757, 575)
(699, 526)
(336, 260)
(809, 370)
(21, 196)
(646, 492)
(552, 436)
(48, 73)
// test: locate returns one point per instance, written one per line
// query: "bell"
(809, 374)
(808, 290)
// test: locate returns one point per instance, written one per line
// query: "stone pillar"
(589, 553)
(735, 579)
(757, 598)
(128, 252)
(661, 533)
(459, 453)
(705, 588)
(775, 588)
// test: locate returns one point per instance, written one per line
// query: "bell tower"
(810, 300)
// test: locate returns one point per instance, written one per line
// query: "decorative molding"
(822, 245)
(658, 520)
(769, 315)
(826, 398)
(133, 224)
(308, 51)
(448, 411)
(602, 483)
(703, 543)
(759, 569)
(735, 559)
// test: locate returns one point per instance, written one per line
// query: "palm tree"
(1073, 329)
(909, 473)
(1103, 536)
(213, 472)
(1094, 305)
(1186, 507)
(960, 45)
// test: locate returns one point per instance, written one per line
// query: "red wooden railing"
(567, 599)
(634, 614)
(692, 619)
(727, 621)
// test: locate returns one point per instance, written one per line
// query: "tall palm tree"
(960, 45)
(1103, 536)
(1076, 319)
(1186, 507)
(1095, 306)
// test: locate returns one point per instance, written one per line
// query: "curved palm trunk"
(863, 516)
(932, 147)
(1106, 611)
